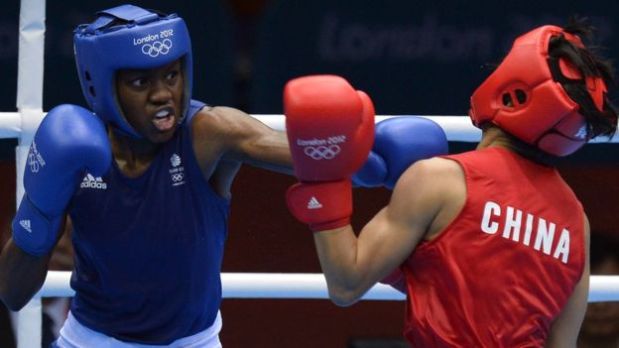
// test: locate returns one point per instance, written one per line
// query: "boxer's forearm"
(338, 254)
(21, 275)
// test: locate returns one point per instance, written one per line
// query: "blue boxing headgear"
(128, 37)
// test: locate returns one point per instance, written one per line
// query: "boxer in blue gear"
(145, 180)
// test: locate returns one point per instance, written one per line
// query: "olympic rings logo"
(33, 163)
(177, 177)
(156, 48)
(322, 152)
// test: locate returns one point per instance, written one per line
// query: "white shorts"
(75, 335)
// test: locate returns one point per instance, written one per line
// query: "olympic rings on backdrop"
(322, 152)
(156, 48)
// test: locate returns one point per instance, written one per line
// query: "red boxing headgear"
(522, 98)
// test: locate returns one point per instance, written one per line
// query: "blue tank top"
(148, 250)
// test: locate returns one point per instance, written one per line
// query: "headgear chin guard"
(522, 97)
(128, 37)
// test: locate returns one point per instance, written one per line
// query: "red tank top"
(501, 272)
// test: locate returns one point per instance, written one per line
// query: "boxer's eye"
(139, 82)
(172, 75)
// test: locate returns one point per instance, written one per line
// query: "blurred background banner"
(410, 56)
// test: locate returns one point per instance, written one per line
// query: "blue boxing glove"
(69, 142)
(399, 142)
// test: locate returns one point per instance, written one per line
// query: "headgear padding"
(128, 37)
(522, 98)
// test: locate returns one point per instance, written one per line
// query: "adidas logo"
(313, 203)
(26, 225)
(92, 182)
(581, 133)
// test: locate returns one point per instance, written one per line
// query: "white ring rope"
(306, 286)
(457, 128)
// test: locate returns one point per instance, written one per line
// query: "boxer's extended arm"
(228, 134)
(564, 330)
(352, 265)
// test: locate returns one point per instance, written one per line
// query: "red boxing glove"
(330, 128)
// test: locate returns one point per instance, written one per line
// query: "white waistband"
(75, 335)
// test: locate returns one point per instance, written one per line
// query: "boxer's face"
(152, 99)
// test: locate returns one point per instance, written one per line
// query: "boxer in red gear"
(492, 243)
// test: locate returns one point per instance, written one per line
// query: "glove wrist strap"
(321, 205)
(33, 232)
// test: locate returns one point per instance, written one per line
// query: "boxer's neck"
(133, 156)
